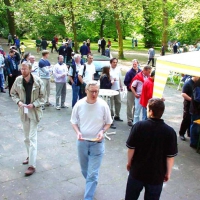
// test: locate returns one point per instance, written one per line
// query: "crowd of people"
(148, 151)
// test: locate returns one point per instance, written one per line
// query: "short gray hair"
(135, 60)
(77, 56)
(92, 83)
(28, 64)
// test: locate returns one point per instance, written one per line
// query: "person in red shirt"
(147, 93)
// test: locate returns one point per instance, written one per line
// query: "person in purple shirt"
(60, 72)
(130, 96)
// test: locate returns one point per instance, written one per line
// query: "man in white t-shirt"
(115, 74)
(86, 74)
(90, 119)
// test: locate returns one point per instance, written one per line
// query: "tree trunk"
(74, 27)
(11, 18)
(120, 37)
(102, 26)
(165, 24)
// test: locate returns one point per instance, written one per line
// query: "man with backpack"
(74, 80)
(86, 74)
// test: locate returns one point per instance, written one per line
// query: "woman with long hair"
(105, 80)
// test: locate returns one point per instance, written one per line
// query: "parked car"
(99, 62)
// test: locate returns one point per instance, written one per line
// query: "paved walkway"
(58, 175)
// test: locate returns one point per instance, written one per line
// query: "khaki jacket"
(18, 94)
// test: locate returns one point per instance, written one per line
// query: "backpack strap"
(84, 70)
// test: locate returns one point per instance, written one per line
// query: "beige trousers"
(47, 89)
(130, 106)
(115, 100)
(30, 133)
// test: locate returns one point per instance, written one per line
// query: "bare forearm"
(76, 128)
(106, 127)
(130, 155)
(80, 79)
(133, 91)
(186, 97)
(170, 163)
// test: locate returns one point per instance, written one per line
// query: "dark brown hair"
(157, 106)
(106, 70)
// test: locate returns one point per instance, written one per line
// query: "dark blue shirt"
(84, 50)
(129, 76)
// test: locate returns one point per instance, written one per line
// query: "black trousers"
(53, 47)
(151, 59)
(99, 48)
(103, 51)
(186, 122)
(11, 80)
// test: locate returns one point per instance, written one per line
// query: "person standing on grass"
(151, 53)
(38, 45)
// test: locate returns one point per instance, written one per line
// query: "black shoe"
(182, 137)
(118, 119)
(130, 124)
(113, 126)
(193, 146)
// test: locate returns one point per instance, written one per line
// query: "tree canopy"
(155, 21)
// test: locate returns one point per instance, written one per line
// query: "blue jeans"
(1, 82)
(144, 113)
(134, 187)
(194, 130)
(75, 94)
(90, 156)
(138, 108)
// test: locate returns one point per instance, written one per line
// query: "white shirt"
(115, 73)
(89, 72)
(91, 118)
(35, 68)
(99, 42)
(59, 71)
(77, 69)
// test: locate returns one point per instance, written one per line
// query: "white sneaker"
(57, 107)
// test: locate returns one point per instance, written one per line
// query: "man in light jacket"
(28, 92)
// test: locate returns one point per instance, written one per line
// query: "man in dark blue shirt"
(130, 96)
(195, 115)
(84, 49)
(187, 95)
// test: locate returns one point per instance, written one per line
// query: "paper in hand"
(25, 110)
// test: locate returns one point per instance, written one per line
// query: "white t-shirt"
(89, 72)
(115, 73)
(91, 118)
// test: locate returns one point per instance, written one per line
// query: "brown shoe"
(25, 162)
(29, 171)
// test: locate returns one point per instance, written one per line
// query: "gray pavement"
(58, 175)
